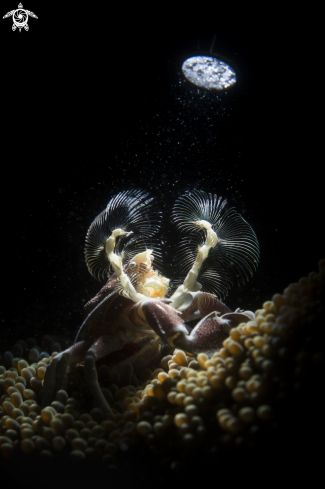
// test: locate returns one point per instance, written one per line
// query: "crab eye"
(132, 264)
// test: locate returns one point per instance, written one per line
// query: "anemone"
(184, 402)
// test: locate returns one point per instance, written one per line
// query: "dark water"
(90, 111)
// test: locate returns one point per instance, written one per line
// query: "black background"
(94, 102)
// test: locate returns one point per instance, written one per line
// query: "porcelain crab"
(138, 307)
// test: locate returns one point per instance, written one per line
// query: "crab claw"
(210, 333)
(163, 319)
(207, 336)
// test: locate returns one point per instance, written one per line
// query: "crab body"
(131, 315)
(135, 324)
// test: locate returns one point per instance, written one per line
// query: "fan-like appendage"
(214, 277)
(235, 255)
(135, 218)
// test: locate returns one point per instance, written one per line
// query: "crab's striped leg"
(190, 283)
(116, 262)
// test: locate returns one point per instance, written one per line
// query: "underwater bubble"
(209, 72)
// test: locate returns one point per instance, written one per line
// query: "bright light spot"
(209, 72)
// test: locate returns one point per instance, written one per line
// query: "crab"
(139, 308)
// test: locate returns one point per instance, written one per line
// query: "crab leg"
(56, 372)
(210, 333)
(201, 304)
(163, 319)
(207, 336)
(107, 344)
(100, 348)
(89, 351)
